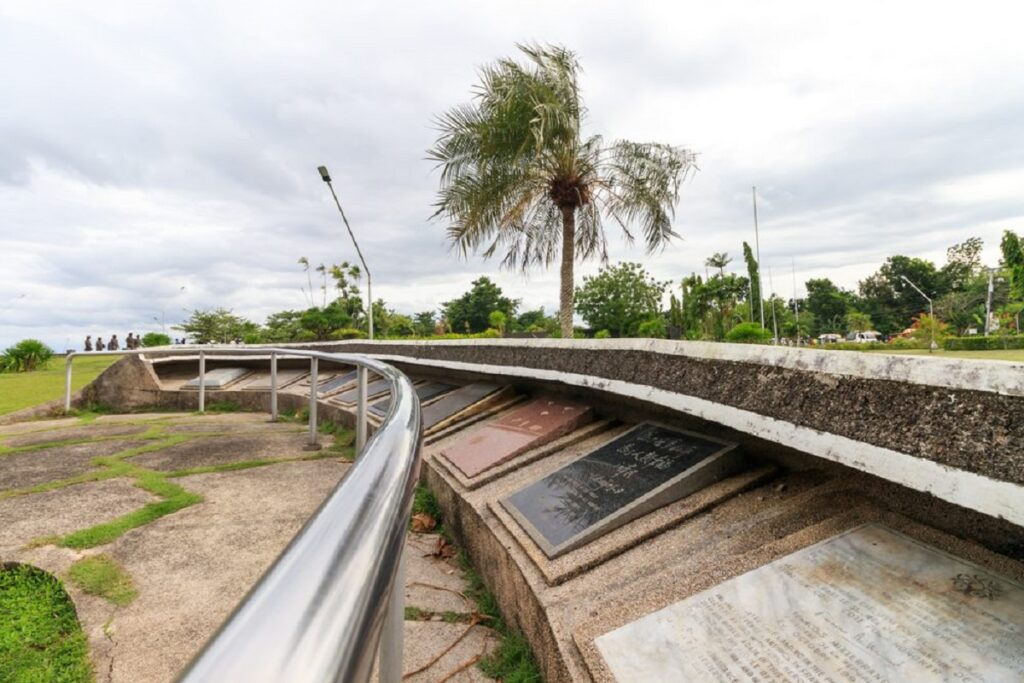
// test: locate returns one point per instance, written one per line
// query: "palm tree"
(517, 175)
(720, 260)
(304, 262)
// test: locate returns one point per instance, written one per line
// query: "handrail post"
(202, 381)
(361, 411)
(313, 381)
(67, 383)
(389, 652)
(273, 386)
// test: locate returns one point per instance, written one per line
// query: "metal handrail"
(336, 592)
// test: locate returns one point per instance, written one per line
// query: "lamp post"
(369, 286)
(931, 332)
(361, 417)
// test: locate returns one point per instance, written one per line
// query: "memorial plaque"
(536, 423)
(336, 383)
(868, 605)
(455, 402)
(425, 391)
(284, 378)
(647, 467)
(374, 389)
(218, 378)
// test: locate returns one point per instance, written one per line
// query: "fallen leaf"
(423, 523)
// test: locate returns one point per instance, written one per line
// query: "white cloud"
(150, 148)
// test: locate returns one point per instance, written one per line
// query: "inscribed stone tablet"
(219, 378)
(456, 402)
(647, 467)
(868, 605)
(533, 425)
(284, 378)
(425, 392)
(337, 382)
(374, 389)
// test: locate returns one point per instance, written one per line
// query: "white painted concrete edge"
(1001, 377)
(966, 489)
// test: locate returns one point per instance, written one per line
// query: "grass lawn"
(26, 389)
(40, 637)
(1000, 354)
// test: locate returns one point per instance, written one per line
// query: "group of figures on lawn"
(131, 343)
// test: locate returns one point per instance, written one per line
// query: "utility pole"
(757, 250)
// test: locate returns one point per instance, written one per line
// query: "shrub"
(653, 327)
(602, 334)
(348, 333)
(748, 333)
(155, 339)
(25, 356)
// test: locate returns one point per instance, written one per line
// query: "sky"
(158, 158)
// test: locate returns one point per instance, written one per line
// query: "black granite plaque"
(374, 389)
(425, 392)
(336, 383)
(455, 402)
(647, 467)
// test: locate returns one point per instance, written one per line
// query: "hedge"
(980, 343)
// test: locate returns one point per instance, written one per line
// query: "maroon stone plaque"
(538, 422)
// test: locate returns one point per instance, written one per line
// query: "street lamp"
(369, 286)
(931, 331)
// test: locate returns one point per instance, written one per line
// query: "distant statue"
(99, 344)
(88, 342)
(129, 342)
(137, 343)
(114, 345)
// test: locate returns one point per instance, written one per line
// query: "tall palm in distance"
(518, 177)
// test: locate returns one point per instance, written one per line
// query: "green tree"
(215, 326)
(858, 322)
(620, 298)
(753, 273)
(828, 303)
(890, 301)
(151, 339)
(719, 260)
(498, 320)
(963, 262)
(517, 174)
(536, 321)
(1012, 247)
(423, 323)
(471, 312)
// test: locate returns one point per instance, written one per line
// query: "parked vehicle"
(868, 337)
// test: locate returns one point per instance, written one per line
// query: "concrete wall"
(953, 428)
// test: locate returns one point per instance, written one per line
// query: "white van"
(864, 337)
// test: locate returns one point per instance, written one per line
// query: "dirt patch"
(20, 470)
(193, 567)
(65, 510)
(71, 433)
(222, 450)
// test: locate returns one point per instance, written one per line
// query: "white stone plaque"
(868, 605)
(219, 378)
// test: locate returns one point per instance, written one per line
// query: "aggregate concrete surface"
(191, 567)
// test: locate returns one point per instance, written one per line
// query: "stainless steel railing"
(333, 600)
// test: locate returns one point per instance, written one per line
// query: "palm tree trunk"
(568, 257)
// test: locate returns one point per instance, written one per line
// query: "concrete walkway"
(246, 487)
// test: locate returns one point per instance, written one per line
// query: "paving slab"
(63, 511)
(71, 433)
(262, 425)
(18, 470)
(221, 450)
(193, 567)
(425, 640)
(432, 583)
(140, 417)
(36, 425)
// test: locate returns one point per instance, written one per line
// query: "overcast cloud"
(160, 157)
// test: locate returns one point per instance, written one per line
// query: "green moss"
(100, 575)
(40, 638)
(416, 614)
(222, 406)
(108, 531)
